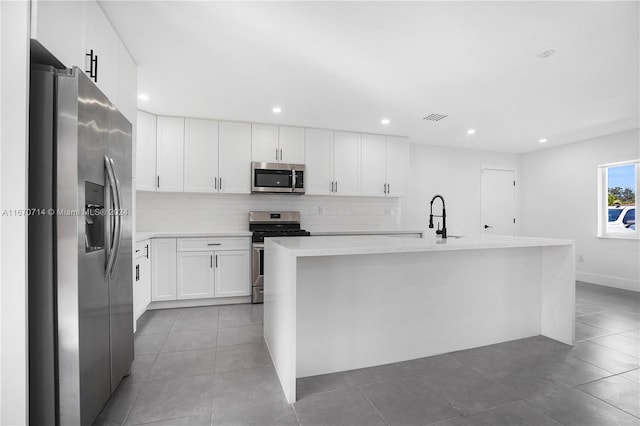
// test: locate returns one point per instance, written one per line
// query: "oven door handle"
(255, 263)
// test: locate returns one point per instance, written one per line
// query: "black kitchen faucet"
(439, 231)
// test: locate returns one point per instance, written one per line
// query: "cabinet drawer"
(200, 244)
(142, 249)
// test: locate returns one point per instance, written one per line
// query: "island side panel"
(559, 293)
(364, 310)
(280, 314)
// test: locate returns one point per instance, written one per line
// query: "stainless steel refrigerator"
(80, 248)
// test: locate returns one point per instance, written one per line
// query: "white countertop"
(346, 233)
(140, 236)
(332, 246)
(145, 235)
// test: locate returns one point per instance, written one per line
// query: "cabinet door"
(59, 26)
(102, 39)
(346, 163)
(373, 165)
(234, 158)
(170, 154)
(195, 274)
(200, 155)
(397, 166)
(163, 269)
(141, 281)
(145, 279)
(127, 101)
(232, 273)
(319, 161)
(264, 143)
(145, 152)
(291, 142)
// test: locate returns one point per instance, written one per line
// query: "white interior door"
(498, 202)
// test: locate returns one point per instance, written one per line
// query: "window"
(617, 202)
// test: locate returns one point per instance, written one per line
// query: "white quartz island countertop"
(347, 245)
(341, 303)
(145, 235)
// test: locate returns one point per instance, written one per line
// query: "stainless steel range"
(265, 224)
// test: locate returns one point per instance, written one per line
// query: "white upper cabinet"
(373, 165)
(170, 154)
(319, 162)
(127, 101)
(59, 26)
(234, 155)
(270, 144)
(200, 155)
(346, 163)
(291, 143)
(100, 38)
(397, 166)
(264, 143)
(145, 172)
(72, 29)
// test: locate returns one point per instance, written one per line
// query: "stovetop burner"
(275, 224)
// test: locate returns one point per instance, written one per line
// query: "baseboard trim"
(190, 303)
(609, 281)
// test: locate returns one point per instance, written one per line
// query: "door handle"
(487, 226)
(214, 244)
(113, 199)
(211, 261)
(118, 215)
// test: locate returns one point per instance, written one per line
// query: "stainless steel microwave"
(277, 178)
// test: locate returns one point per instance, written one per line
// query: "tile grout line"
(373, 405)
(606, 402)
(295, 412)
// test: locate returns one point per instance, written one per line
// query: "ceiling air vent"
(435, 117)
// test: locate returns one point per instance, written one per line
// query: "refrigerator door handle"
(118, 216)
(111, 197)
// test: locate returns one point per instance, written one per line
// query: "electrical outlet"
(580, 258)
(387, 212)
(320, 210)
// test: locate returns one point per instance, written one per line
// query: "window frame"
(603, 207)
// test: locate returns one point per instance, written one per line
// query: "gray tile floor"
(210, 366)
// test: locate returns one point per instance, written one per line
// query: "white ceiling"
(347, 65)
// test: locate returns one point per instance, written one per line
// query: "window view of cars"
(621, 219)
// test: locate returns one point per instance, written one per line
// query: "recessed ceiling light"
(385, 121)
(542, 140)
(143, 96)
(546, 53)
(277, 110)
(471, 131)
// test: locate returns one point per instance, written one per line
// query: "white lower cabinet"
(200, 268)
(142, 278)
(163, 269)
(195, 275)
(232, 276)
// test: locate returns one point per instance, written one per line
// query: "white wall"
(455, 174)
(14, 74)
(560, 186)
(159, 211)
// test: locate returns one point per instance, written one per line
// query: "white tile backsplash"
(158, 211)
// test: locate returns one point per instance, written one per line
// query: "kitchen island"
(341, 303)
